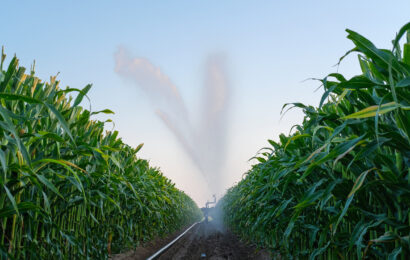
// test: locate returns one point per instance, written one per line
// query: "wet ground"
(204, 241)
(207, 241)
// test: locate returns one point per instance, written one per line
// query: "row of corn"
(70, 190)
(339, 186)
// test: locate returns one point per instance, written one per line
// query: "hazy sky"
(270, 48)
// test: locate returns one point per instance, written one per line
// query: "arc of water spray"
(204, 143)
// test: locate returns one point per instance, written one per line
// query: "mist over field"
(203, 142)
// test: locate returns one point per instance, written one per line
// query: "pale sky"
(271, 47)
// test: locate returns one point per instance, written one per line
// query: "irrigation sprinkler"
(207, 208)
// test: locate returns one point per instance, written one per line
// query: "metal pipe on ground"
(165, 248)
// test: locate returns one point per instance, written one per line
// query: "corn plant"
(69, 190)
(339, 186)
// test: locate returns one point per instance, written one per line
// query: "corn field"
(69, 189)
(339, 186)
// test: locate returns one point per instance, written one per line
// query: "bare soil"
(207, 241)
(204, 241)
(146, 250)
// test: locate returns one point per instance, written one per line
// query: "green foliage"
(339, 187)
(68, 190)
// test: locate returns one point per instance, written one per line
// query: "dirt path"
(206, 241)
(203, 241)
(146, 250)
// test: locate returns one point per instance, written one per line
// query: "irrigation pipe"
(162, 250)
